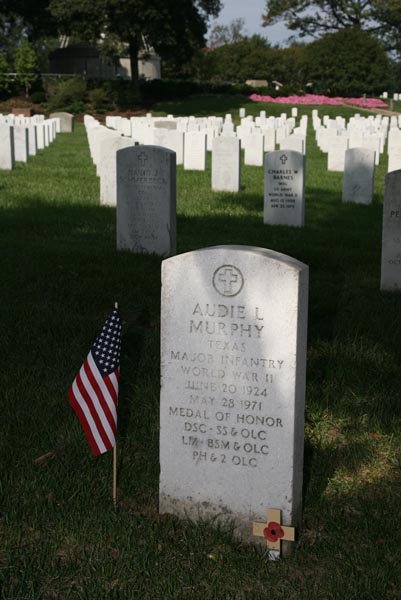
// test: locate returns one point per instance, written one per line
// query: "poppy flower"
(273, 531)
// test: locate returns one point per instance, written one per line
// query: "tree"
(26, 65)
(227, 34)
(170, 26)
(347, 63)
(250, 59)
(381, 18)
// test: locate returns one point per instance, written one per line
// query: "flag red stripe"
(112, 405)
(110, 387)
(84, 423)
(101, 398)
(94, 413)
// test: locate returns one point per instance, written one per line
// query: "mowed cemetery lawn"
(60, 536)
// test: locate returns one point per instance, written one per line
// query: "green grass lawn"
(60, 536)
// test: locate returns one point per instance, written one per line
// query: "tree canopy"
(347, 63)
(170, 26)
(382, 18)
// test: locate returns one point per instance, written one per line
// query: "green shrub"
(100, 99)
(62, 92)
(38, 97)
(6, 85)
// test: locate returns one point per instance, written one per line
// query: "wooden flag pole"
(115, 458)
(115, 475)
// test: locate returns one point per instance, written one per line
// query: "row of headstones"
(226, 152)
(284, 196)
(336, 136)
(190, 137)
(226, 174)
(396, 96)
(145, 193)
(22, 137)
(284, 177)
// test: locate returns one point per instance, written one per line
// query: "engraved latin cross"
(228, 277)
(142, 158)
(283, 159)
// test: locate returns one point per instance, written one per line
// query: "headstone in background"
(284, 196)
(233, 355)
(269, 134)
(337, 146)
(394, 158)
(391, 240)
(195, 150)
(165, 124)
(21, 143)
(66, 121)
(253, 149)
(226, 164)
(40, 135)
(7, 156)
(32, 140)
(108, 167)
(359, 176)
(293, 142)
(146, 200)
(171, 139)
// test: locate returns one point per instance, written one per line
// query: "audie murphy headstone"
(233, 357)
(284, 199)
(146, 200)
(391, 240)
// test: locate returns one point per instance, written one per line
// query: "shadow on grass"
(59, 255)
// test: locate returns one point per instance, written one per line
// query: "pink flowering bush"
(314, 100)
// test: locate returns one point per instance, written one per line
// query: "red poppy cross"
(273, 531)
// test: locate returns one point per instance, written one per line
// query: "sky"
(251, 11)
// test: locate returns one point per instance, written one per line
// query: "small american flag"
(94, 391)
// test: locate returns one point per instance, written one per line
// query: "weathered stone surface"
(233, 353)
(359, 174)
(391, 240)
(146, 200)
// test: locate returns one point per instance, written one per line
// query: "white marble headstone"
(7, 156)
(66, 121)
(195, 150)
(359, 175)
(21, 143)
(233, 356)
(226, 164)
(108, 167)
(284, 197)
(146, 200)
(391, 239)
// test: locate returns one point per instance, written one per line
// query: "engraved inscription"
(226, 417)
